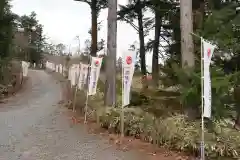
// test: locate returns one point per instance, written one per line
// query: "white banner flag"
(74, 74)
(208, 50)
(69, 73)
(129, 58)
(56, 68)
(83, 75)
(25, 66)
(60, 68)
(96, 63)
(47, 65)
(53, 66)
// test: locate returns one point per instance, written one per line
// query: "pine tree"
(6, 28)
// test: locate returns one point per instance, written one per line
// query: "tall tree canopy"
(96, 6)
(6, 28)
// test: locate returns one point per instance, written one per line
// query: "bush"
(175, 133)
(172, 132)
(190, 90)
(10, 76)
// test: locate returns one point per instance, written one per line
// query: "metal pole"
(86, 104)
(86, 109)
(79, 45)
(75, 93)
(74, 100)
(78, 76)
(202, 145)
(122, 109)
(202, 103)
(87, 85)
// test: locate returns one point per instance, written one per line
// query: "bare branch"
(85, 1)
(129, 22)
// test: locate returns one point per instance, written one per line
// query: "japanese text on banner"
(96, 63)
(127, 74)
(208, 50)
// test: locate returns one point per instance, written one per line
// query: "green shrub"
(5, 72)
(174, 131)
(138, 99)
(191, 90)
(10, 76)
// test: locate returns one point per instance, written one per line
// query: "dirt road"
(34, 127)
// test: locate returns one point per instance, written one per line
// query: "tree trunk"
(186, 31)
(155, 66)
(198, 15)
(187, 51)
(142, 48)
(237, 121)
(110, 90)
(2, 6)
(94, 28)
(198, 22)
(237, 107)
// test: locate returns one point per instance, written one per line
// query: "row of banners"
(129, 59)
(78, 74)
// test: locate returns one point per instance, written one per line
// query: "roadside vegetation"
(15, 46)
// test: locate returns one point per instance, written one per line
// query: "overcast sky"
(65, 19)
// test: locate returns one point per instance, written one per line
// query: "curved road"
(33, 127)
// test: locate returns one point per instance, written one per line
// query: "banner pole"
(86, 102)
(86, 108)
(74, 99)
(202, 104)
(202, 145)
(122, 107)
(75, 93)
(122, 121)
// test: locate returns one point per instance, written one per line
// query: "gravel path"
(34, 127)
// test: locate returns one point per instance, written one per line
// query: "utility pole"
(186, 23)
(110, 72)
(79, 45)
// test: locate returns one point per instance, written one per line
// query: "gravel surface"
(34, 127)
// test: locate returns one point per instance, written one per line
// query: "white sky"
(65, 19)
